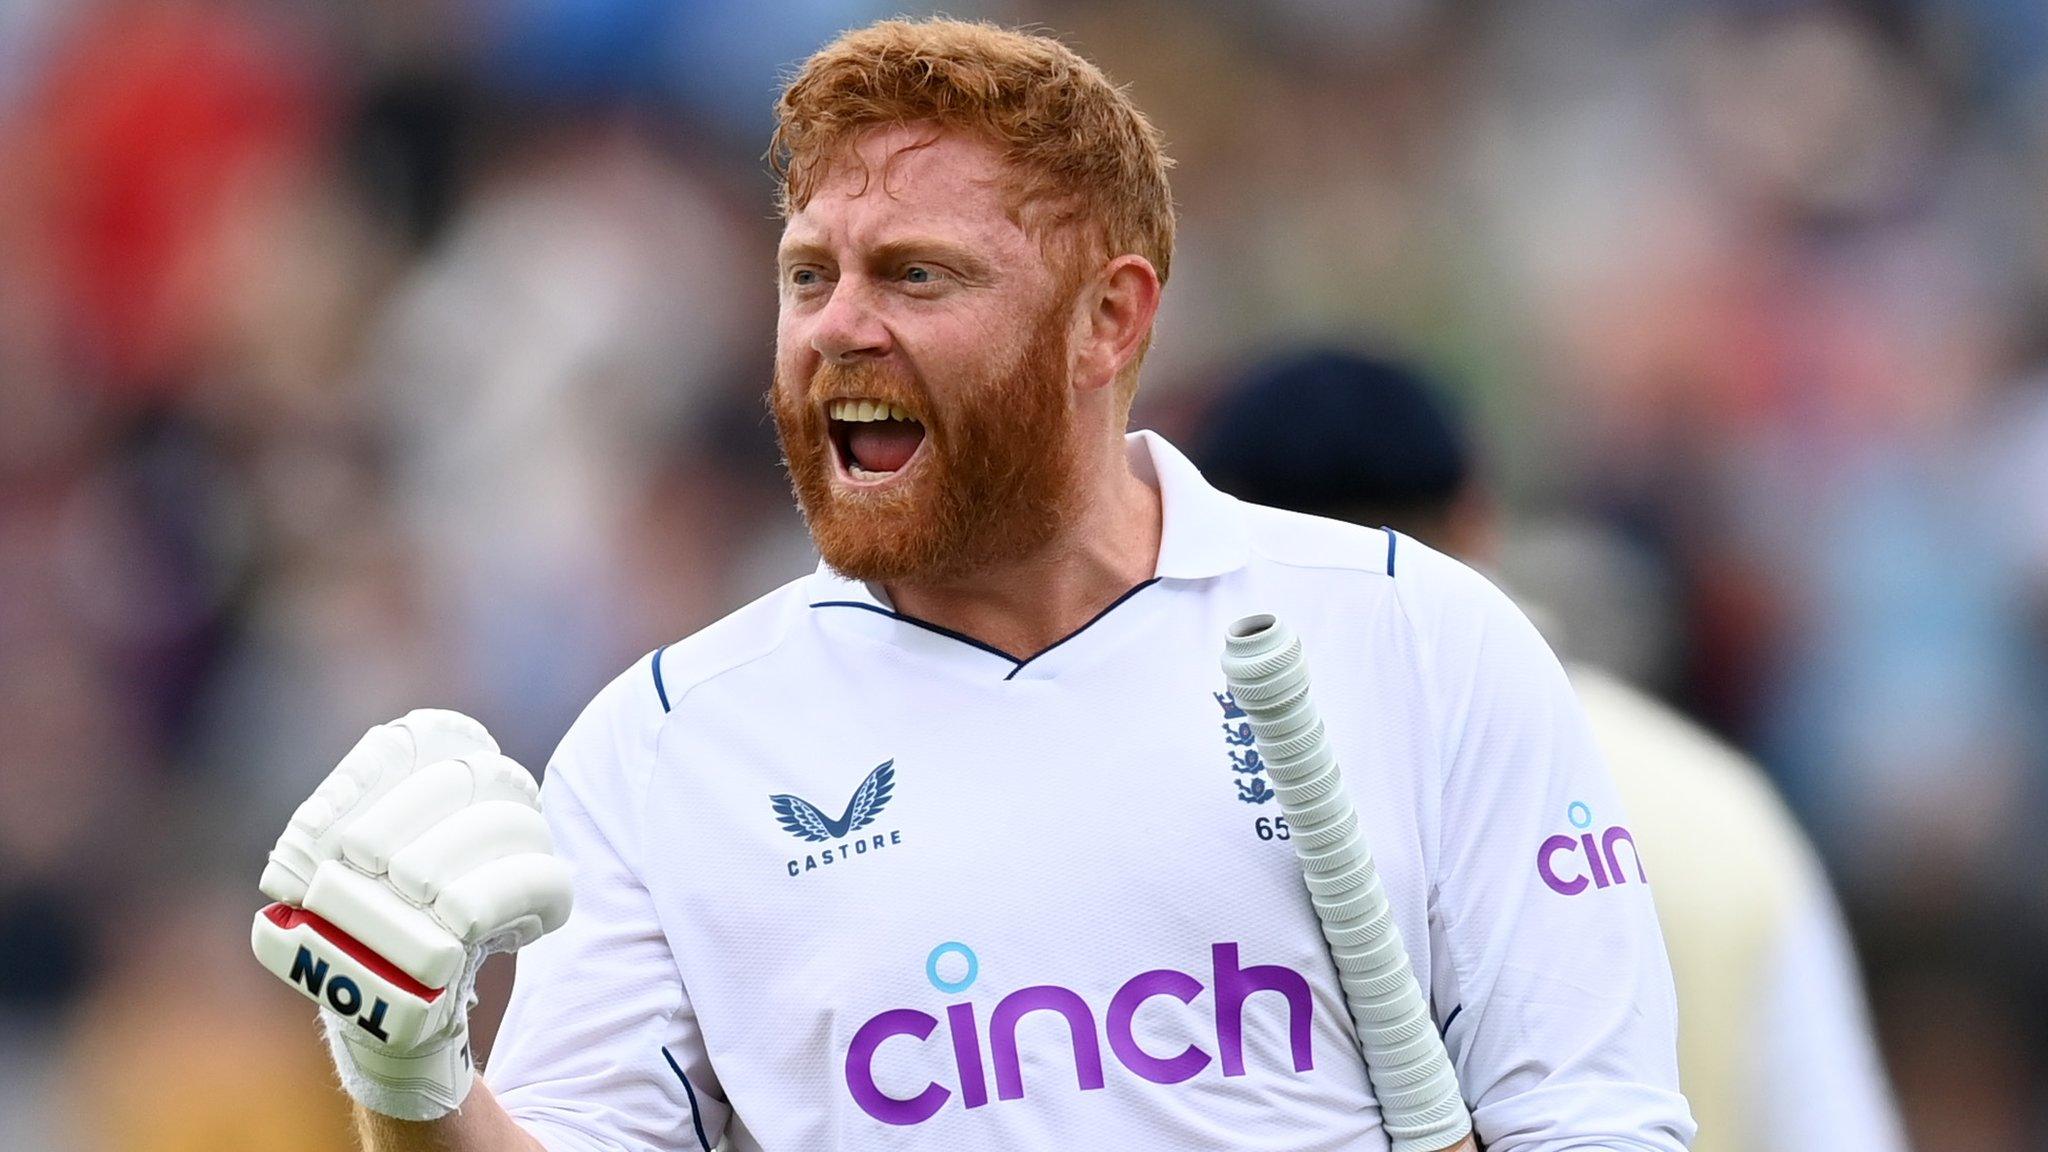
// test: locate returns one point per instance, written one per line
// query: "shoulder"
(1298, 540)
(735, 641)
(1428, 583)
(608, 755)
(622, 722)
(1466, 640)
(1450, 610)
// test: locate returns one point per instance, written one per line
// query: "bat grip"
(1405, 1058)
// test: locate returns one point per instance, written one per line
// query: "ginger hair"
(1086, 171)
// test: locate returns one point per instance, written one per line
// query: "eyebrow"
(791, 251)
(908, 250)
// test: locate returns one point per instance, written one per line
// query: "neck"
(1109, 546)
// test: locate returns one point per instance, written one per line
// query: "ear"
(1114, 316)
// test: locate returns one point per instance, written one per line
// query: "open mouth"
(873, 440)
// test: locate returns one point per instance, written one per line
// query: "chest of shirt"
(1076, 830)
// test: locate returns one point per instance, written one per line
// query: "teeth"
(866, 411)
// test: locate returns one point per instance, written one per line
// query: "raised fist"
(421, 853)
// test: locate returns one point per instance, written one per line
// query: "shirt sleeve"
(1548, 966)
(1818, 1080)
(600, 1049)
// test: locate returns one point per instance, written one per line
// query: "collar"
(1202, 530)
(1203, 533)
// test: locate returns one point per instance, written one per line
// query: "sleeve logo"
(1570, 864)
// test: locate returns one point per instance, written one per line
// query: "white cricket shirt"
(848, 880)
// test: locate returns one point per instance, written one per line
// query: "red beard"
(995, 481)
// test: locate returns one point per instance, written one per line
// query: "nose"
(848, 328)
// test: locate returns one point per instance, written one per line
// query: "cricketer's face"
(922, 375)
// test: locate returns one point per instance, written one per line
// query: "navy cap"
(1328, 431)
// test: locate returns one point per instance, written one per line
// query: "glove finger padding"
(509, 903)
(366, 909)
(465, 842)
(452, 875)
(385, 756)
(429, 796)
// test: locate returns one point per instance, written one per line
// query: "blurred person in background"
(252, 257)
(1775, 1048)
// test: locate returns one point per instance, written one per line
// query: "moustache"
(864, 381)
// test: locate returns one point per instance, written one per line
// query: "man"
(1775, 1050)
(959, 842)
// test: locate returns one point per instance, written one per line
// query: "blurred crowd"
(357, 357)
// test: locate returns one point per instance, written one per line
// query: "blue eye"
(918, 274)
(804, 277)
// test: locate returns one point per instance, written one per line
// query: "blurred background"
(355, 357)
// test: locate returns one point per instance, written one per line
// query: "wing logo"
(803, 819)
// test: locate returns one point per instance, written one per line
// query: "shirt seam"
(663, 723)
(628, 856)
(1364, 567)
(1425, 668)
(696, 1115)
(771, 649)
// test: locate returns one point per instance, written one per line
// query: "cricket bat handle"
(1405, 1058)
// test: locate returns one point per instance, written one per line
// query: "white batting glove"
(423, 852)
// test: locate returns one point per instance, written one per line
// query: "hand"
(423, 852)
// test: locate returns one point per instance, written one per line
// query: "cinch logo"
(1571, 864)
(803, 820)
(1233, 986)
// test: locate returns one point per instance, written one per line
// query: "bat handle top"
(1251, 626)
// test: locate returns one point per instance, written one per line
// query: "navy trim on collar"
(1017, 662)
(1113, 606)
(927, 625)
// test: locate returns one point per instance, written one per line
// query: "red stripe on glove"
(287, 917)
